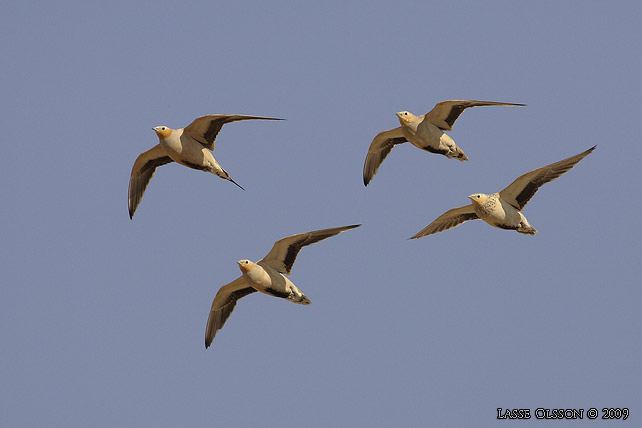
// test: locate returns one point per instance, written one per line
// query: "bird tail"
(525, 227)
(528, 231)
(296, 296)
(458, 154)
(299, 298)
(224, 175)
(235, 183)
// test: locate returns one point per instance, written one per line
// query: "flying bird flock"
(192, 147)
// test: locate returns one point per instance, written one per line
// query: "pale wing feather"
(283, 254)
(223, 305)
(142, 171)
(448, 220)
(379, 150)
(204, 129)
(520, 191)
(445, 113)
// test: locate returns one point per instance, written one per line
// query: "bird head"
(246, 266)
(162, 131)
(405, 117)
(478, 198)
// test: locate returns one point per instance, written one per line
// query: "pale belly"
(503, 216)
(189, 153)
(269, 281)
(428, 137)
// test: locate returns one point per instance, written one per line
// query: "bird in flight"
(425, 131)
(268, 276)
(190, 146)
(504, 209)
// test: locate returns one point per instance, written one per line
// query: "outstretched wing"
(445, 113)
(448, 220)
(142, 171)
(204, 129)
(520, 191)
(283, 254)
(379, 149)
(223, 305)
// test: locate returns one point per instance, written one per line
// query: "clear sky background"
(102, 319)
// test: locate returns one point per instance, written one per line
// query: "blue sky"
(103, 318)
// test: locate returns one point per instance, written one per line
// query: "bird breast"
(429, 131)
(186, 151)
(497, 211)
(259, 277)
(173, 143)
(269, 281)
(422, 134)
(486, 208)
(409, 131)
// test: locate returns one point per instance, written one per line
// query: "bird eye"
(478, 196)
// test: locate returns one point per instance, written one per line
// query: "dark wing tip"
(585, 153)
(368, 173)
(210, 333)
(344, 228)
(492, 103)
(131, 208)
(265, 118)
(260, 118)
(424, 232)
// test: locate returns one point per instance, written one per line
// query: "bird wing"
(448, 220)
(445, 113)
(282, 255)
(204, 129)
(142, 171)
(379, 149)
(223, 305)
(520, 191)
